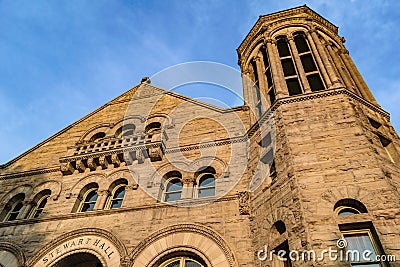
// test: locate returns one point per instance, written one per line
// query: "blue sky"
(62, 59)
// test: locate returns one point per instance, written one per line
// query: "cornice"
(29, 173)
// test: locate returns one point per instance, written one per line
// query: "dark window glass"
(293, 86)
(174, 264)
(265, 57)
(348, 211)
(271, 95)
(15, 211)
(308, 63)
(254, 65)
(288, 67)
(283, 48)
(40, 208)
(190, 263)
(301, 44)
(269, 77)
(315, 82)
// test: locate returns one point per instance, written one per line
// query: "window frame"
(198, 186)
(85, 195)
(36, 208)
(182, 260)
(166, 193)
(111, 199)
(11, 211)
(374, 243)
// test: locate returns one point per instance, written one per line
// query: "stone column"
(342, 72)
(329, 68)
(318, 57)
(300, 69)
(276, 70)
(26, 209)
(101, 199)
(262, 82)
(187, 189)
(362, 86)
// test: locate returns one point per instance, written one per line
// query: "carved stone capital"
(67, 168)
(103, 192)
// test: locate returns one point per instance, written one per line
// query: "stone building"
(154, 178)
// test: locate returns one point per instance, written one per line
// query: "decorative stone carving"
(244, 203)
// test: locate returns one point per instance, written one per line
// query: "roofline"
(112, 102)
(305, 7)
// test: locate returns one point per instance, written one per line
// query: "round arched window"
(182, 262)
(173, 190)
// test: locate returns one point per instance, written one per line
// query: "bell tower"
(337, 155)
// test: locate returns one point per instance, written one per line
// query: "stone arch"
(166, 121)
(54, 186)
(156, 177)
(283, 214)
(137, 120)
(253, 50)
(129, 175)
(103, 126)
(98, 178)
(86, 240)
(13, 251)
(285, 29)
(219, 165)
(24, 189)
(205, 241)
(333, 195)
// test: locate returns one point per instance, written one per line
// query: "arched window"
(182, 262)
(117, 190)
(277, 231)
(289, 69)
(171, 186)
(40, 202)
(173, 190)
(206, 186)
(152, 127)
(13, 208)
(349, 206)
(87, 198)
(308, 63)
(125, 130)
(97, 137)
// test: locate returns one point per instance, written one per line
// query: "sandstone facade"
(153, 178)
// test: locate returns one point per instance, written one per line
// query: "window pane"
(301, 44)
(38, 212)
(42, 203)
(172, 196)
(13, 216)
(271, 95)
(315, 82)
(288, 67)
(174, 185)
(283, 48)
(269, 77)
(88, 207)
(360, 242)
(115, 204)
(207, 181)
(18, 207)
(293, 86)
(308, 63)
(347, 211)
(190, 263)
(120, 193)
(207, 192)
(91, 197)
(174, 264)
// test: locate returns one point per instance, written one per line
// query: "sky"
(60, 60)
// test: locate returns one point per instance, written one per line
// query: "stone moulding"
(179, 228)
(15, 250)
(70, 235)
